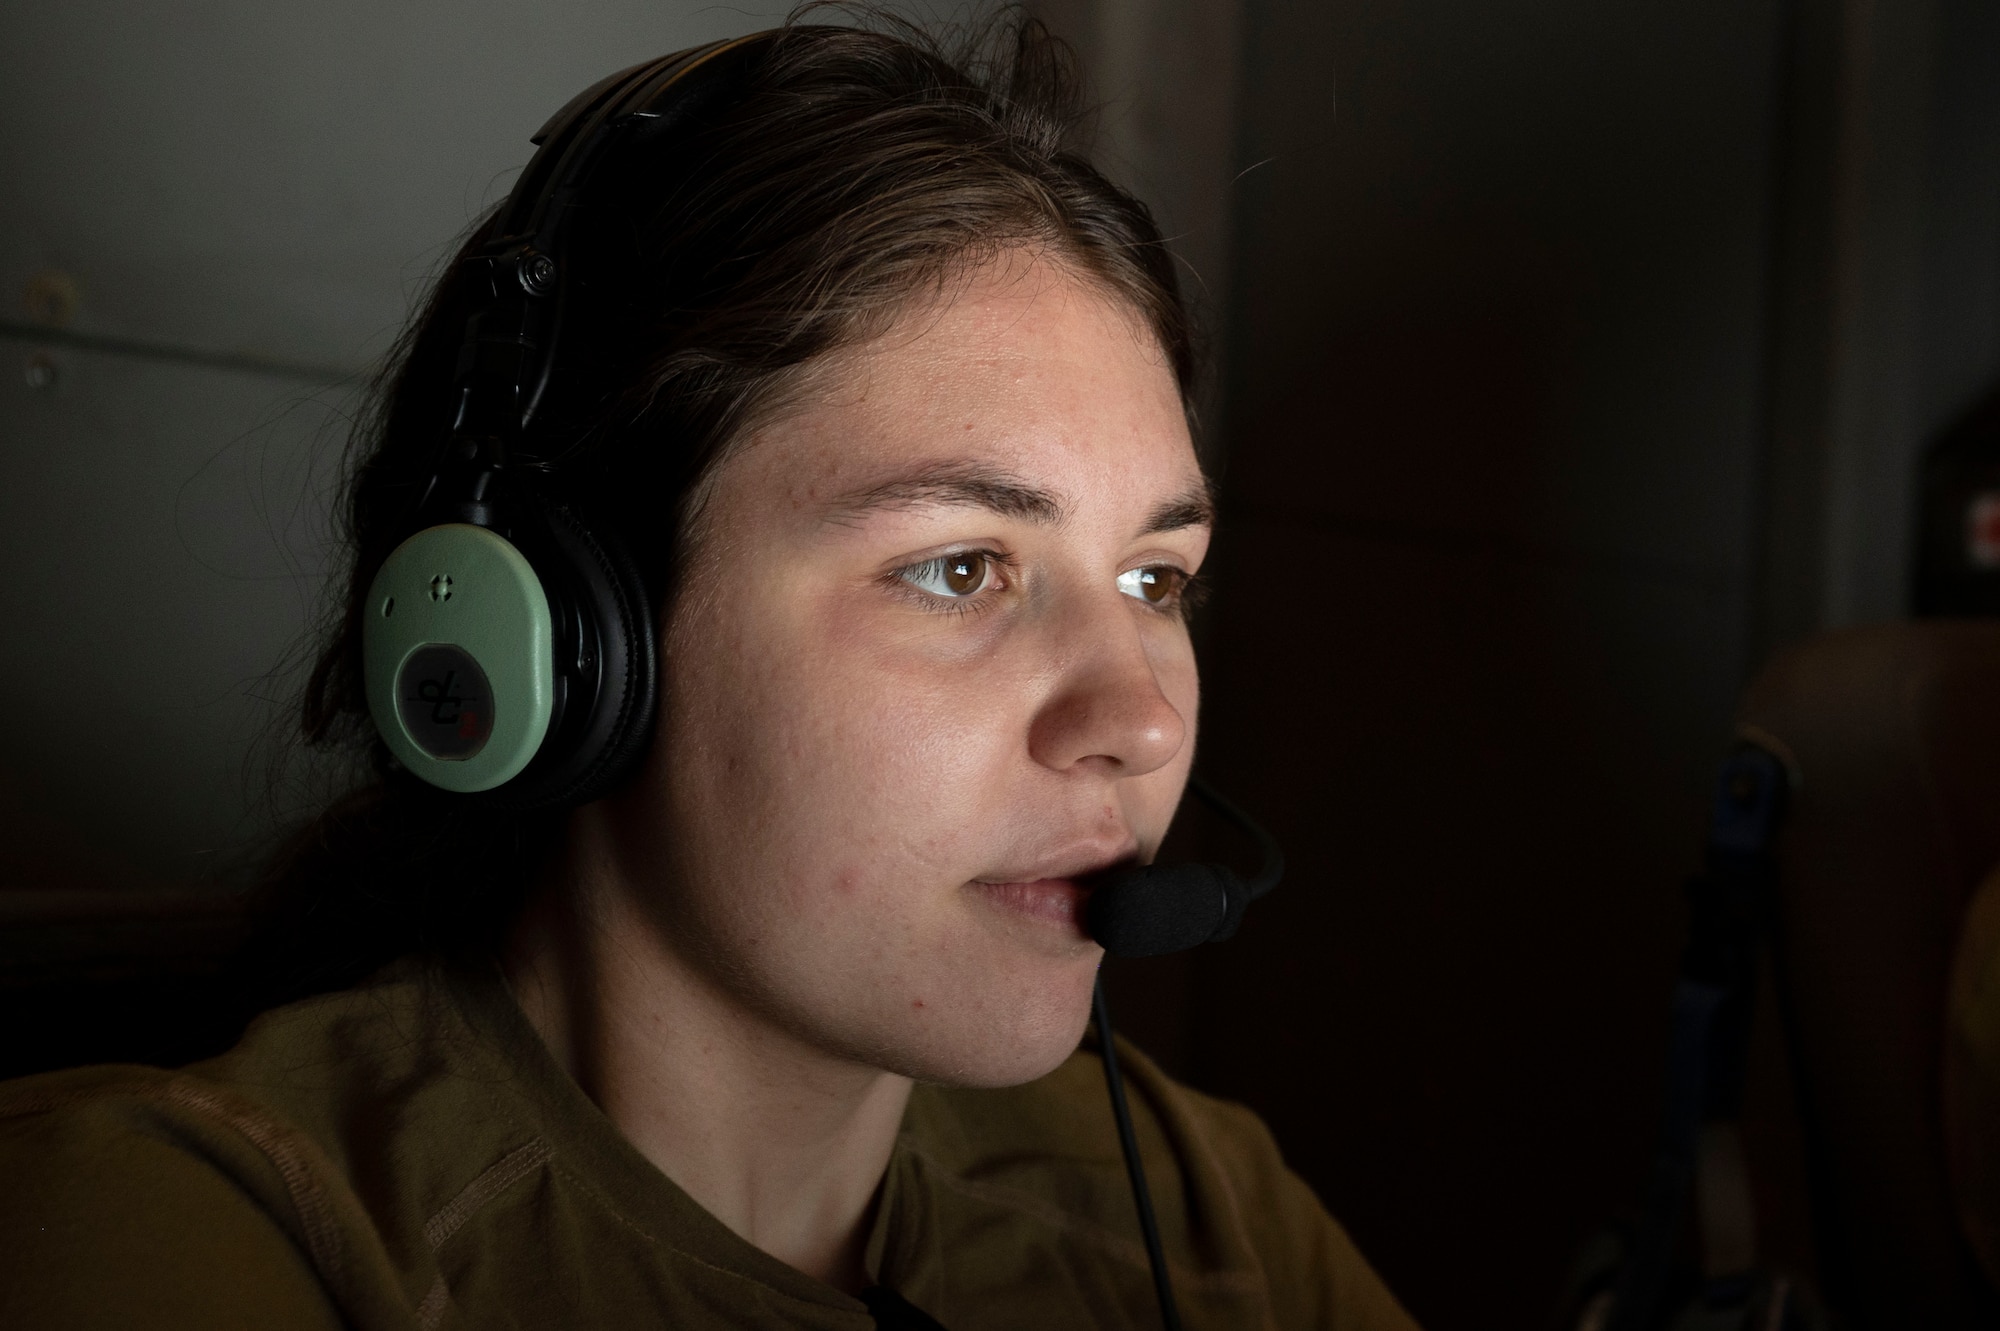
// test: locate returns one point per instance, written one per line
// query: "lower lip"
(1055, 900)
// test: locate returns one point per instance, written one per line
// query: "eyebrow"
(1193, 507)
(975, 485)
(963, 484)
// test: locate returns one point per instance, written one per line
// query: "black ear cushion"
(599, 598)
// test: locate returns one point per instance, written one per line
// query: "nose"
(1108, 709)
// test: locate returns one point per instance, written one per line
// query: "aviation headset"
(507, 644)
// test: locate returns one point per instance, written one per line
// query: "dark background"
(1572, 358)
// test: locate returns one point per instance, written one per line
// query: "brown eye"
(964, 573)
(952, 576)
(1154, 586)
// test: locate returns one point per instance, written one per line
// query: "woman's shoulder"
(143, 1196)
(397, 1038)
(285, 1075)
(259, 1187)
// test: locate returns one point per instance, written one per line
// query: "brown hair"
(855, 170)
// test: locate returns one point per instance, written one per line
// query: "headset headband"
(520, 277)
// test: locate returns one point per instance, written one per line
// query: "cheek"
(829, 801)
(828, 762)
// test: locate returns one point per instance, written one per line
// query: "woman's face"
(928, 667)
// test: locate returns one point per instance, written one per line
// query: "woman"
(773, 1018)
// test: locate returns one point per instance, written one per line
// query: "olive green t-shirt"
(406, 1154)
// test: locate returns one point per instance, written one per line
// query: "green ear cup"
(456, 642)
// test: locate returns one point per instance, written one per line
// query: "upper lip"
(1079, 862)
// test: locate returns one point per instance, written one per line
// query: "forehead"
(1019, 364)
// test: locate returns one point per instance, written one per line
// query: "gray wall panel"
(164, 534)
(280, 179)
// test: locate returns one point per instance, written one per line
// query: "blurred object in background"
(1643, 1274)
(1895, 733)
(1958, 535)
(1857, 841)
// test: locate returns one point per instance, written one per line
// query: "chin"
(998, 1039)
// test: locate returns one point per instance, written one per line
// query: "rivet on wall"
(41, 371)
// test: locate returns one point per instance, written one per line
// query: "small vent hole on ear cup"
(388, 606)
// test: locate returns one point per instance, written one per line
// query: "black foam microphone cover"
(1150, 910)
